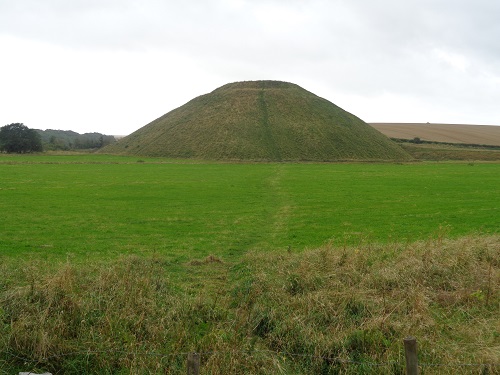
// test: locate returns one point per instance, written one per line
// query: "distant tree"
(416, 140)
(18, 138)
(56, 143)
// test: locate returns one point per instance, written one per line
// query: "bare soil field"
(450, 133)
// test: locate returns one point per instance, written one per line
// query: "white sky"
(112, 66)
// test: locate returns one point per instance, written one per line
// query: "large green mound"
(260, 120)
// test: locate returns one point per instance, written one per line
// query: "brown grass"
(449, 133)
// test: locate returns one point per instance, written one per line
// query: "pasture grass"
(116, 264)
(95, 206)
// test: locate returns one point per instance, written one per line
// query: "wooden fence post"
(411, 355)
(193, 364)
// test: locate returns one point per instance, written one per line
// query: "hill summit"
(261, 121)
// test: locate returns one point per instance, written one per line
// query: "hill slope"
(260, 120)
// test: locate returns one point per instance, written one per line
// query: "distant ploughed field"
(449, 133)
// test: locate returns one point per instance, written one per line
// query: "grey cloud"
(359, 47)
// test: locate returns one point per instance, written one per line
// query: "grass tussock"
(327, 311)
(358, 304)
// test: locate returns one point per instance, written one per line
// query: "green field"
(114, 265)
(102, 206)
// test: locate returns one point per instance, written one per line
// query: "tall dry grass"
(358, 304)
(329, 310)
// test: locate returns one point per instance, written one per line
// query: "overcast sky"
(112, 66)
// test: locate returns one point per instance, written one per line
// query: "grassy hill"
(263, 121)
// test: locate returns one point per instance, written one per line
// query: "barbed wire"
(334, 360)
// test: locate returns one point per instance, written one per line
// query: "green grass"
(104, 206)
(265, 268)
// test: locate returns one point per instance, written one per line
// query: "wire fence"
(34, 363)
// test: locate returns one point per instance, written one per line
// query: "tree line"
(18, 138)
(70, 140)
